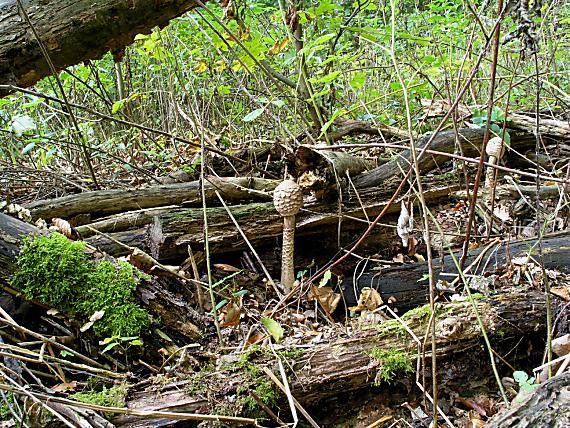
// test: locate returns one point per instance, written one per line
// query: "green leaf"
(117, 106)
(326, 79)
(252, 115)
(273, 327)
(358, 80)
(278, 103)
(109, 347)
(28, 148)
(326, 278)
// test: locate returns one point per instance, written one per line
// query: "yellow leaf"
(278, 46)
(201, 66)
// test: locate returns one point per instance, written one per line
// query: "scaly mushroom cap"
(288, 198)
(495, 147)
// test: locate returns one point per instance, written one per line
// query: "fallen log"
(405, 284)
(172, 231)
(163, 296)
(470, 139)
(105, 202)
(72, 32)
(346, 363)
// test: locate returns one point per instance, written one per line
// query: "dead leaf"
(561, 292)
(369, 300)
(226, 268)
(398, 258)
(326, 297)
(63, 387)
(141, 260)
(230, 314)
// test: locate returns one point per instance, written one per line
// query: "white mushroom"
(288, 200)
(495, 150)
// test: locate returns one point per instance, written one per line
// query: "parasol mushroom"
(288, 200)
(495, 150)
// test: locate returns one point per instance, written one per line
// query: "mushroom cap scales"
(288, 198)
(495, 147)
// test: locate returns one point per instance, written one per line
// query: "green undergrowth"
(5, 413)
(108, 397)
(58, 273)
(392, 362)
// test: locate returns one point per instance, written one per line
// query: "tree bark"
(73, 31)
(548, 406)
(106, 202)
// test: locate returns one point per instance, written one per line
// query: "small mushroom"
(288, 200)
(495, 150)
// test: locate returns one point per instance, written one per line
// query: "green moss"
(421, 314)
(392, 362)
(56, 271)
(109, 397)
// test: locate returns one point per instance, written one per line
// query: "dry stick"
(415, 165)
(8, 320)
(132, 412)
(17, 389)
(486, 134)
(249, 244)
(277, 382)
(72, 117)
(367, 232)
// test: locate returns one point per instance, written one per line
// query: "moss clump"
(392, 362)
(56, 271)
(108, 397)
(5, 412)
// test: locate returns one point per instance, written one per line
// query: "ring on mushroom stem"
(288, 200)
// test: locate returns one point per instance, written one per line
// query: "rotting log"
(171, 232)
(73, 31)
(106, 202)
(163, 296)
(344, 364)
(470, 139)
(406, 285)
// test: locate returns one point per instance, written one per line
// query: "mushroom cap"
(288, 198)
(495, 147)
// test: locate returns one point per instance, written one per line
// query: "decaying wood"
(406, 285)
(548, 406)
(345, 365)
(515, 120)
(470, 139)
(172, 231)
(162, 296)
(347, 127)
(105, 202)
(73, 31)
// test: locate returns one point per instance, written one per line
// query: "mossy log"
(325, 373)
(165, 297)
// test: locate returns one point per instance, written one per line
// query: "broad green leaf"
(358, 80)
(252, 115)
(117, 106)
(273, 327)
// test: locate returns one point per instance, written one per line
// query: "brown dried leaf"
(62, 226)
(326, 297)
(369, 300)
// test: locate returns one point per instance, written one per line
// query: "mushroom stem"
(287, 256)
(490, 175)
